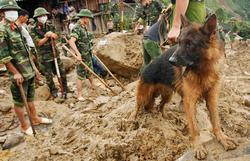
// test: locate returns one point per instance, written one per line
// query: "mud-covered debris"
(42, 93)
(13, 140)
(68, 63)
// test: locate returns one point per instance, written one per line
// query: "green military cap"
(75, 18)
(40, 11)
(9, 5)
(85, 13)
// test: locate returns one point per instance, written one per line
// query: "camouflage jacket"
(12, 49)
(149, 14)
(83, 39)
(44, 52)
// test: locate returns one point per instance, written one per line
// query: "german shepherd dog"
(200, 50)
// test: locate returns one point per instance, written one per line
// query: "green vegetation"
(227, 13)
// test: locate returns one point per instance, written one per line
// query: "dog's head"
(193, 42)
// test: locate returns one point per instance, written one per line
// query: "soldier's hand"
(38, 75)
(54, 36)
(18, 78)
(94, 51)
(173, 34)
(48, 34)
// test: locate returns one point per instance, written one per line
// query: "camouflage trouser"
(151, 50)
(82, 73)
(49, 70)
(29, 90)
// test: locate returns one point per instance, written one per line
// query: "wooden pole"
(119, 83)
(58, 74)
(90, 70)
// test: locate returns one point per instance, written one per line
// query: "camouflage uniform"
(84, 45)
(45, 57)
(13, 50)
(115, 12)
(149, 14)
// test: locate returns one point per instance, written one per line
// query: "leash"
(179, 78)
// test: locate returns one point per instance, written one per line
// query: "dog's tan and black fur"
(200, 50)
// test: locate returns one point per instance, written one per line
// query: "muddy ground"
(99, 129)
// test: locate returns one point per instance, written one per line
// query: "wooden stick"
(58, 74)
(27, 108)
(120, 84)
(86, 67)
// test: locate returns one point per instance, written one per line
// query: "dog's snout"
(172, 60)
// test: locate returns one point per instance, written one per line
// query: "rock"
(247, 101)
(13, 140)
(101, 100)
(68, 63)
(42, 93)
(125, 60)
(59, 100)
(5, 106)
(2, 139)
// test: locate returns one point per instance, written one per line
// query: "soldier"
(116, 14)
(22, 23)
(42, 34)
(148, 11)
(19, 64)
(81, 42)
(110, 26)
(31, 23)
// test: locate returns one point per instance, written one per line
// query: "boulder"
(42, 93)
(68, 63)
(121, 53)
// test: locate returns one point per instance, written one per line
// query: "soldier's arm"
(41, 42)
(5, 58)
(138, 18)
(72, 42)
(138, 13)
(181, 8)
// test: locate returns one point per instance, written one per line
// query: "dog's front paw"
(227, 143)
(200, 152)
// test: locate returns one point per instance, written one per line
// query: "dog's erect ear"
(210, 25)
(184, 21)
